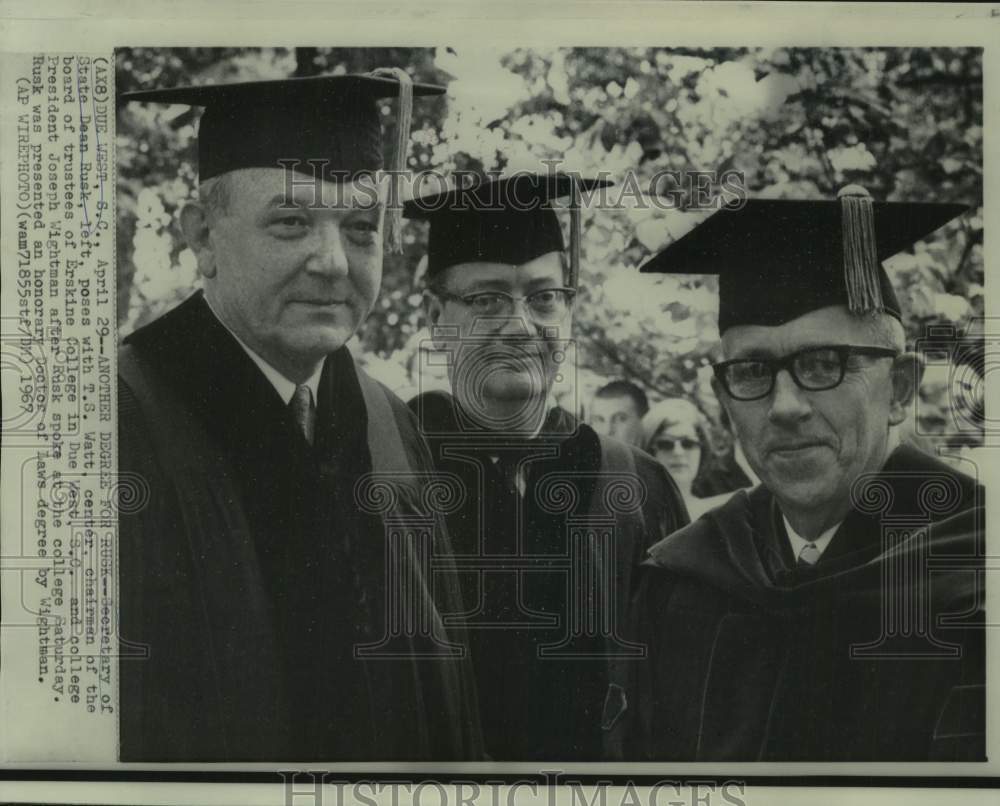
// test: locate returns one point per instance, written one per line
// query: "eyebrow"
(543, 282)
(486, 285)
(754, 352)
(674, 436)
(531, 286)
(761, 353)
(282, 201)
(367, 208)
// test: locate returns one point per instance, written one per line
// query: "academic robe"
(876, 653)
(249, 573)
(533, 707)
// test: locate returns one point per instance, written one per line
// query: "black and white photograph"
(581, 404)
(646, 343)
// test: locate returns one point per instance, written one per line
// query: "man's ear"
(905, 376)
(197, 233)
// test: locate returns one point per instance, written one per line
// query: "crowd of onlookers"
(675, 433)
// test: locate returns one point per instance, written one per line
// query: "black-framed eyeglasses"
(547, 305)
(814, 369)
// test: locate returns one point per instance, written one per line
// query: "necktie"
(507, 465)
(304, 411)
(809, 555)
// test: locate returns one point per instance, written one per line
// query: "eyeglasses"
(546, 306)
(814, 369)
(668, 445)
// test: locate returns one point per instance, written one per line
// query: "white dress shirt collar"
(798, 542)
(284, 387)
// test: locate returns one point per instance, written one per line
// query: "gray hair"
(887, 331)
(883, 329)
(215, 196)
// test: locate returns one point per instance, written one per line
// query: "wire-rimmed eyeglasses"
(547, 305)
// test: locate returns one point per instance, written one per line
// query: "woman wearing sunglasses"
(674, 435)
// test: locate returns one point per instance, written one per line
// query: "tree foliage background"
(796, 122)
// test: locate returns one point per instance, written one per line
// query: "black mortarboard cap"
(332, 121)
(256, 123)
(506, 220)
(778, 259)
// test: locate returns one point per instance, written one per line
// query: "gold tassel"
(575, 231)
(864, 294)
(394, 216)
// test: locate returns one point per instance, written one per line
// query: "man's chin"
(803, 492)
(318, 343)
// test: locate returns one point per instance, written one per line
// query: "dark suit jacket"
(256, 565)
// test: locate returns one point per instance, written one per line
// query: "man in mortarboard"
(834, 611)
(252, 578)
(547, 549)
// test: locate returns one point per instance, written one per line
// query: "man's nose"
(516, 321)
(328, 257)
(788, 402)
(520, 319)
